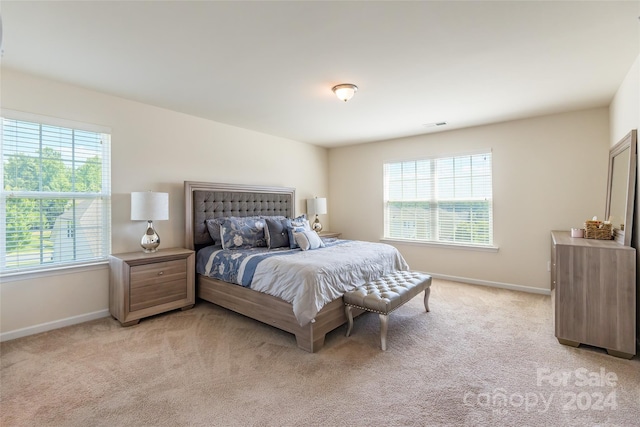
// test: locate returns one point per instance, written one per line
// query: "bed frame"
(209, 200)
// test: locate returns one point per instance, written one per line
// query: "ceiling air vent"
(434, 124)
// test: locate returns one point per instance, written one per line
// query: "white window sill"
(53, 271)
(442, 245)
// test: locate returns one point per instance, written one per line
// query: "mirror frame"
(629, 141)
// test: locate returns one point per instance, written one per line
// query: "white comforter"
(311, 279)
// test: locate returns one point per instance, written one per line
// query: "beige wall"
(624, 110)
(625, 115)
(152, 149)
(549, 173)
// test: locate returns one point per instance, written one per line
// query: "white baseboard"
(44, 327)
(509, 286)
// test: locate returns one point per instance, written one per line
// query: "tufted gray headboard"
(205, 201)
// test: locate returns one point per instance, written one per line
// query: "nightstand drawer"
(159, 283)
(329, 234)
(156, 294)
(155, 274)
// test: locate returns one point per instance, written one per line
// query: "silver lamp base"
(150, 240)
(317, 227)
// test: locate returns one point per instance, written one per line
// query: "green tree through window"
(55, 195)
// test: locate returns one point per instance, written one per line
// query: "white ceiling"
(270, 66)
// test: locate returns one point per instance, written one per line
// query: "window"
(443, 200)
(55, 193)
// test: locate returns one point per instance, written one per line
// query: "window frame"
(105, 195)
(433, 200)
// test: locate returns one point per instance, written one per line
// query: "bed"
(208, 201)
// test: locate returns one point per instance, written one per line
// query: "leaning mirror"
(621, 187)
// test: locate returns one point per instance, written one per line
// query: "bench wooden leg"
(349, 314)
(383, 331)
(427, 292)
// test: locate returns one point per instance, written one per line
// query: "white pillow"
(308, 240)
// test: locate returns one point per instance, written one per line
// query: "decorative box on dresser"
(593, 293)
(143, 284)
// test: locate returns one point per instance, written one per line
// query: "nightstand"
(329, 234)
(143, 284)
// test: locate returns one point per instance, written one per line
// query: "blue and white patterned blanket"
(307, 279)
(239, 265)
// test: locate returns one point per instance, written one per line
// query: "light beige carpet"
(482, 356)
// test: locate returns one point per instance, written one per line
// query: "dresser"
(143, 284)
(593, 293)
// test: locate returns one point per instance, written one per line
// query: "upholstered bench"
(385, 294)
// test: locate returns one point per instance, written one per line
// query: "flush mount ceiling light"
(345, 91)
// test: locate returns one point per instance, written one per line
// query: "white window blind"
(55, 195)
(444, 200)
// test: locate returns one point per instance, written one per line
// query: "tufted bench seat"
(385, 294)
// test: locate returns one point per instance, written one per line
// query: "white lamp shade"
(148, 205)
(317, 206)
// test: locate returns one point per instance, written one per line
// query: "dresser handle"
(161, 273)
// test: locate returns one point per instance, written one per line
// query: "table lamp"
(149, 206)
(317, 206)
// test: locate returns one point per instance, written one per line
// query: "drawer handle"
(160, 273)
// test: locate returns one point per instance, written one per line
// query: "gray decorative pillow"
(276, 233)
(213, 226)
(308, 240)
